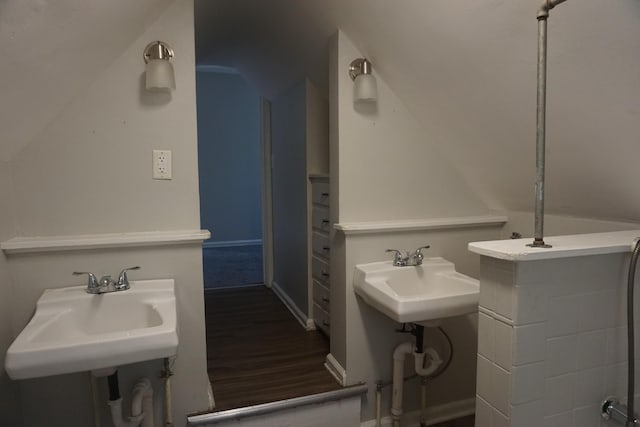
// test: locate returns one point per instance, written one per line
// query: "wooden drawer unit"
(320, 193)
(319, 232)
(320, 245)
(320, 218)
(321, 296)
(320, 271)
(321, 317)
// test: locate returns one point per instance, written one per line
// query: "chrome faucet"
(408, 259)
(106, 283)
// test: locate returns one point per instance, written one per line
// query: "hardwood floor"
(460, 422)
(257, 352)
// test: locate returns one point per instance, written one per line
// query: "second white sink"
(431, 291)
(73, 331)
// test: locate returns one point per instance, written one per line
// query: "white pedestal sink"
(73, 331)
(415, 294)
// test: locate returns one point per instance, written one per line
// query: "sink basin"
(431, 291)
(73, 331)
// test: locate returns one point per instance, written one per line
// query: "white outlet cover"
(162, 164)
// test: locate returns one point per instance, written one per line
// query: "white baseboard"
(435, 414)
(293, 308)
(231, 243)
(335, 369)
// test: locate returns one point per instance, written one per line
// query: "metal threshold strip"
(267, 408)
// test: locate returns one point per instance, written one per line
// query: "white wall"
(89, 172)
(384, 166)
(9, 404)
(317, 129)
(558, 225)
(289, 180)
(389, 166)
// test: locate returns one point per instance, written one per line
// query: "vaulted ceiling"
(465, 69)
(53, 49)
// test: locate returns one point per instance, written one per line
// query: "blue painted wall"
(229, 156)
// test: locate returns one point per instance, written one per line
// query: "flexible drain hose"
(631, 335)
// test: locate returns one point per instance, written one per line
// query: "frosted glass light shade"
(160, 75)
(365, 89)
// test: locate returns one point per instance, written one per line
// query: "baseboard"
(435, 414)
(212, 400)
(231, 243)
(293, 308)
(335, 369)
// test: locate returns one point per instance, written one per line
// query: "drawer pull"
(325, 299)
(325, 194)
(326, 248)
(325, 274)
(325, 221)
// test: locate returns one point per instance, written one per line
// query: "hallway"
(257, 352)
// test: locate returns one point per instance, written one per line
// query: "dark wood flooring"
(258, 353)
(469, 421)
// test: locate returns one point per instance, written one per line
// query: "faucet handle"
(399, 258)
(92, 280)
(123, 280)
(418, 253)
(419, 250)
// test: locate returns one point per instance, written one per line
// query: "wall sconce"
(159, 71)
(365, 88)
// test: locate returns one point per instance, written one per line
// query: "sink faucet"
(408, 260)
(106, 283)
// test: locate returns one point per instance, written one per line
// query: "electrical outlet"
(161, 164)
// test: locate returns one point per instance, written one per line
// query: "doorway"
(230, 175)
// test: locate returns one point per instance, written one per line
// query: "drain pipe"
(543, 15)
(141, 404)
(399, 355)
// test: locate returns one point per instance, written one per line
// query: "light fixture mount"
(157, 50)
(359, 66)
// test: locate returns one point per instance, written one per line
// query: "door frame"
(267, 191)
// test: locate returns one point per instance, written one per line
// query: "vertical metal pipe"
(540, 130)
(631, 358)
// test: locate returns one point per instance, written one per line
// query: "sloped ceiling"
(467, 70)
(53, 49)
(464, 68)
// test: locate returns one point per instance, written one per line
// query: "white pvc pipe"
(399, 354)
(116, 414)
(142, 402)
(141, 407)
(434, 364)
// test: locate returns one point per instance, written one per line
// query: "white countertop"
(562, 246)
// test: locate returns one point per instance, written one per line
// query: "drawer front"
(321, 318)
(320, 271)
(320, 193)
(321, 296)
(320, 218)
(320, 244)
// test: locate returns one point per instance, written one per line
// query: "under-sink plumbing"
(427, 365)
(106, 283)
(408, 259)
